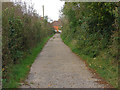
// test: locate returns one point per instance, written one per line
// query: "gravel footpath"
(57, 67)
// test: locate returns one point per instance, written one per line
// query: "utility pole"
(43, 11)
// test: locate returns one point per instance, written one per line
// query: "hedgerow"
(22, 30)
(92, 29)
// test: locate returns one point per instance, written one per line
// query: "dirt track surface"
(57, 67)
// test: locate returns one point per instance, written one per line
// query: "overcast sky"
(51, 7)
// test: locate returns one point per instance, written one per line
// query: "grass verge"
(19, 72)
(103, 67)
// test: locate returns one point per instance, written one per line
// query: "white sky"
(51, 7)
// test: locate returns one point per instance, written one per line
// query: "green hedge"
(22, 30)
(92, 29)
